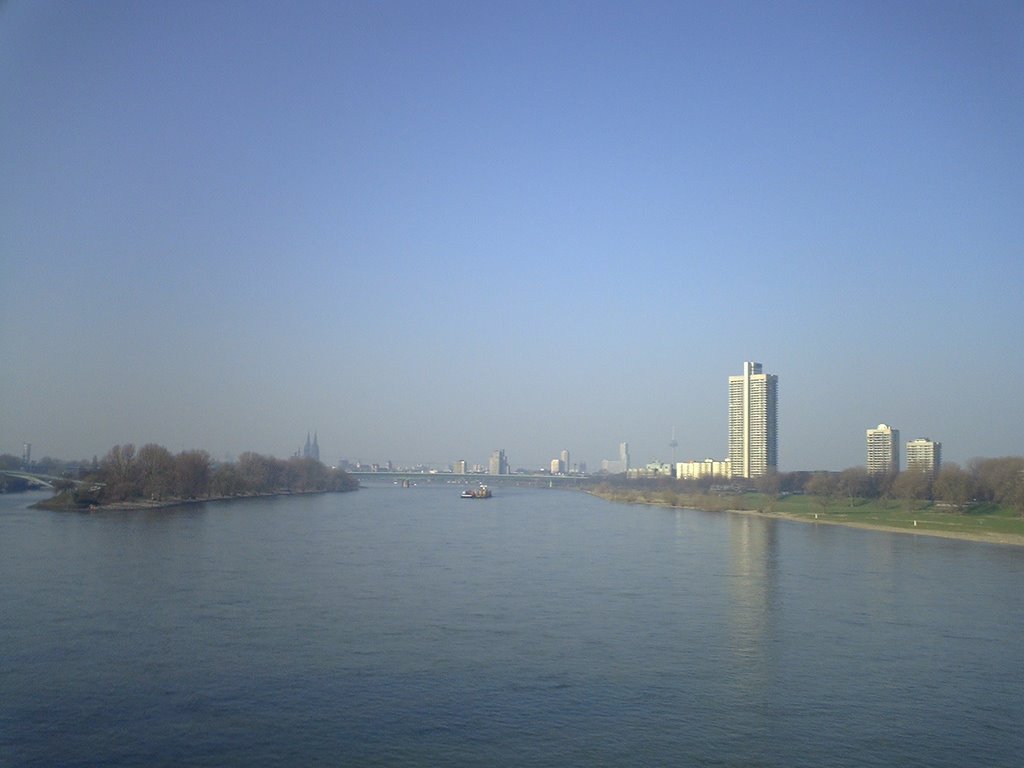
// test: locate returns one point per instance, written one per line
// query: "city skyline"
(434, 230)
(752, 434)
(753, 397)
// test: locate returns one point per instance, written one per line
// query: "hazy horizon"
(428, 231)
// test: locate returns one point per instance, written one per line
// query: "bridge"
(37, 479)
(42, 481)
(531, 480)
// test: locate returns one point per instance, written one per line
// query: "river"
(409, 627)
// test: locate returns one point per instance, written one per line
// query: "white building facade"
(753, 422)
(883, 450)
(694, 470)
(924, 455)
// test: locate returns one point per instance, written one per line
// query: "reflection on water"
(752, 596)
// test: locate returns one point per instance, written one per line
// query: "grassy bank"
(982, 522)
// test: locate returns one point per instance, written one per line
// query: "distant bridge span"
(535, 480)
(35, 478)
(43, 480)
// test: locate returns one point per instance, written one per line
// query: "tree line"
(995, 481)
(154, 473)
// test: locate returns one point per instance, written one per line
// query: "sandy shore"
(988, 537)
(140, 505)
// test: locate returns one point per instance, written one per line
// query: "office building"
(620, 465)
(499, 464)
(694, 470)
(883, 450)
(753, 422)
(924, 455)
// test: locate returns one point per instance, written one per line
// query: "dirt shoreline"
(1009, 539)
(144, 505)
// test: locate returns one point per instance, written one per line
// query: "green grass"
(983, 519)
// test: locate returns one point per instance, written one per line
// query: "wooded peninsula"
(152, 476)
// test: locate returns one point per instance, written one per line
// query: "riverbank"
(983, 524)
(62, 502)
(922, 529)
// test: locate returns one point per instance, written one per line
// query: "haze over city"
(428, 231)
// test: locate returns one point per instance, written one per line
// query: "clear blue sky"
(428, 230)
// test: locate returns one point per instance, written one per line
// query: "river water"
(408, 627)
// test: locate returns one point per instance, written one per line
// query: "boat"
(483, 492)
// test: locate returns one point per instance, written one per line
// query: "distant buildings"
(459, 467)
(883, 450)
(924, 455)
(693, 470)
(651, 469)
(499, 463)
(311, 450)
(753, 422)
(560, 466)
(619, 466)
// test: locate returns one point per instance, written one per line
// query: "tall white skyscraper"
(924, 455)
(883, 450)
(753, 422)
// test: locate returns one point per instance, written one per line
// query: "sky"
(428, 230)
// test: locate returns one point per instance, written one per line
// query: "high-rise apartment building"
(883, 450)
(924, 455)
(753, 422)
(499, 464)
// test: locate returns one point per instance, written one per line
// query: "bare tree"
(118, 470)
(192, 474)
(854, 483)
(156, 471)
(953, 486)
(822, 486)
(912, 486)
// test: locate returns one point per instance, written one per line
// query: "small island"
(152, 477)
